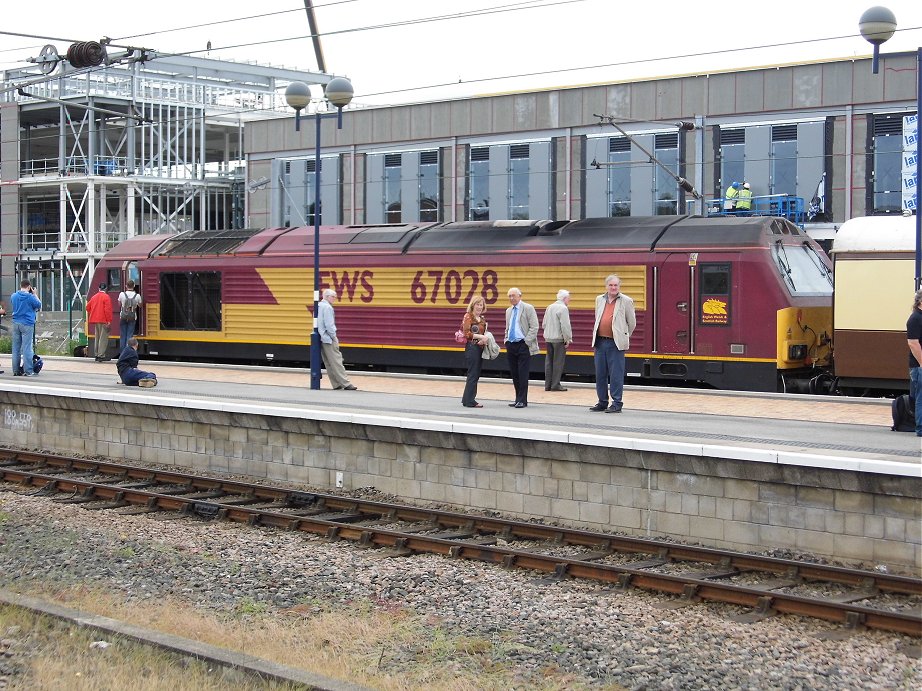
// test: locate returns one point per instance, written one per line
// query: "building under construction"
(93, 156)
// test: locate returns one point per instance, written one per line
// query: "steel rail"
(689, 587)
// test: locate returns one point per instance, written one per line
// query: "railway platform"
(824, 475)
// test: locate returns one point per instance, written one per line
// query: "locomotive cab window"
(190, 301)
(714, 291)
(802, 270)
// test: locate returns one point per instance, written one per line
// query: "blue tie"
(513, 330)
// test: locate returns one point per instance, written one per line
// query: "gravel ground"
(595, 634)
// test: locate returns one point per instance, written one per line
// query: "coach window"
(885, 167)
(619, 176)
(666, 189)
(190, 301)
(479, 185)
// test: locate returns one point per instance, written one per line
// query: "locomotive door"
(673, 307)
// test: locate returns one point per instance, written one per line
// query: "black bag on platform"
(903, 410)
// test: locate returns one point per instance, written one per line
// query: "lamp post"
(338, 92)
(877, 25)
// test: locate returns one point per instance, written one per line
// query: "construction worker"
(744, 200)
(731, 196)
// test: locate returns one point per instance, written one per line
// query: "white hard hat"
(746, 185)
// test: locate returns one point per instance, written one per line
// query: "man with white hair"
(615, 321)
(521, 343)
(329, 343)
(558, 335)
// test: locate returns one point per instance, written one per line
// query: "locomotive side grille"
(392, 160)
(428, 158)
(481, 153)
(619, 144)
(311, 166)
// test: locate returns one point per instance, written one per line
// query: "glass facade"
(784, 160)
(666, 190)
(619, 176)
(519, 182)
(478, 208)
(392, 188)
(887, 161)
(732, 159)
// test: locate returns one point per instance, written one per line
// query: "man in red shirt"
(99, 316)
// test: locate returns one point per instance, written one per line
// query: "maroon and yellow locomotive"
(733, 303)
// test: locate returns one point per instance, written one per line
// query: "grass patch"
(42, 652)
(384, 647)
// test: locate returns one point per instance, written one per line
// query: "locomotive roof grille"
(205, 242)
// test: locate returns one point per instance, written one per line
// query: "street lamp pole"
(339, 93)
(877, 25)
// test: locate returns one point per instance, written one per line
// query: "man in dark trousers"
(127, 367)
(521, 344)
(914, 339)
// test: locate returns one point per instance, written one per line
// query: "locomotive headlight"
(797, 352)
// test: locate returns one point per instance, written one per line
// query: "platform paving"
(827, 431)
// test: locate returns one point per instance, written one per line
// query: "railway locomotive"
(729, 303)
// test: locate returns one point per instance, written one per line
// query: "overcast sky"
(545, 39)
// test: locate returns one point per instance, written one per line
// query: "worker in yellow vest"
(730, 196)
(744, 200)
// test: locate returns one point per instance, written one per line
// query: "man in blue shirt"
(25, 305)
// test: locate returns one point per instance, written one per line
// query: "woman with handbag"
(474, 326)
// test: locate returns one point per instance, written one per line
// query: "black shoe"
(598, 407)
(513, 404)
(349, 387)
(614, 408)
(519, 405)
(558, 388)
(472, 405)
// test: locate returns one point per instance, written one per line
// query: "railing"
(785, 205)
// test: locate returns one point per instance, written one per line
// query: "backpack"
(129, 308)
(903, 410)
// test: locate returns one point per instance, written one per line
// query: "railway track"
(766, 585)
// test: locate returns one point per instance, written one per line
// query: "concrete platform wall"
(749, 505)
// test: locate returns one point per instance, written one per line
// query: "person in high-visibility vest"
(730, 196)
(744, 200)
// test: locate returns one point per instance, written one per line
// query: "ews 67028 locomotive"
(733, 303)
